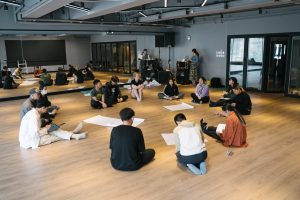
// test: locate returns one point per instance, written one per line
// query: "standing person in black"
(170, 91)
(241, 101)
(112, 92)
(127, 145)
(61, 77)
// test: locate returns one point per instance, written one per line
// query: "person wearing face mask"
(51, 109)
(234, 134)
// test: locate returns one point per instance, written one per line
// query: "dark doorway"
(276, 64)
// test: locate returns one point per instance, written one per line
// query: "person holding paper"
(127, 145)
(137, 87)
(170, 91)
(234, 134)
(201, 94)
(190, 147)
(97, 95)
(241, 101)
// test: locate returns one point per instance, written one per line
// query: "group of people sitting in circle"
(127, 145)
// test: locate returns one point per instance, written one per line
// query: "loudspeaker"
(169, 39)
(163, 77)
(159, 41)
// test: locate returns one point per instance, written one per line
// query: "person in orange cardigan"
(234, 134)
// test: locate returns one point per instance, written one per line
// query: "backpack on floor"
(215, 82)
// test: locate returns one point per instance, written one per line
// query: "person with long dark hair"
(201, 94)
(234, 134)
(170, 91)
(194, 66)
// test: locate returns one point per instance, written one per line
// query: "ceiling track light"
(10, 3)
(141, 13)
(204, 2)
(77, 8)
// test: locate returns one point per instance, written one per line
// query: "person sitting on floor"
(228, 96)
(61, 77)
(234, 134)
(78, 76)
(18, 73)
(88, 73)
(241, 101)
(190, 147)
(9, 82)
(51, 109)
(37, 72)
(97, 95)
(34, 96)
(71, 71)
(170, 91)
(46, 78)
(112, 92)
(32, 135)
(4, 71)
(127, 145)
(201, 94)
(137, 87)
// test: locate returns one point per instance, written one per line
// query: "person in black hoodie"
(170, 91)
(241, 101)
(61, 77)
(71, 71)
(78, 76)
(112, 92)
(89, 73)
(9, 82)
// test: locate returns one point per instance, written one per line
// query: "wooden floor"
(268, 169)
(23, 90)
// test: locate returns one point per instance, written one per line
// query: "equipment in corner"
(183, 72)
(164, 76)
(165, 40)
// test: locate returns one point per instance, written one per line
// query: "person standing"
(127, 145)
(194, 66)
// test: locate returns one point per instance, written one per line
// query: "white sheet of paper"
(169, 138)
(220, 128)
(182, 106)
(80, 87)
(70, 78)
(225, 98)
(87, 95)
(110, 122)
(32, 79)
(25, 83)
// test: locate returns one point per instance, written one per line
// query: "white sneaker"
(78, 128)
(79, 136)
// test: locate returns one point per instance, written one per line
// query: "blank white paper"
(182, 106)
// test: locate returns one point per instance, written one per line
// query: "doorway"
(276, 64)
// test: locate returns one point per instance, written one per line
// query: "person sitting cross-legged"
(170, 91)
(127, 145)
(190, 147)
(112, 92)
(97, 95)
(201, 94)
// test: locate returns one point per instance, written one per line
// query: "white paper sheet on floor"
(110, 122)
(169, 138)
(26, 83)
(182, 106)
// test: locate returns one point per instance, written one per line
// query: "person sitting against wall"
(61, 77)
(32, 135)
(128, 152)
(71, 71)
(112, 92)
(137, 87)
(97, 95)
(9, 82)
(46, 78)
(228, 96)
(78, 76)
(201, 94)
(88, 73)
(190, 147)
(170, 91)
(234, 134)
(18, 73)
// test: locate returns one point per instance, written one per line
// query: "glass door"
(294, 78)
(133, 55)
(114, 57)
(255, 63)
(276, 64)
(236, 64)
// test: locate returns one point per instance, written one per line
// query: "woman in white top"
(190, 147)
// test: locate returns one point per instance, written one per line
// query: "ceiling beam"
(230, 7)
(41, 8)
(107, 7)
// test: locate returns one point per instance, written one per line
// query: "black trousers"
(96, 104)
(192, 159)
(111, 100)
(147, 156)
(211, 131)
(197, 100)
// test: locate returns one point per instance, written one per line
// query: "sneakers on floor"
(195, 170)
(203, 167)
(78, 128)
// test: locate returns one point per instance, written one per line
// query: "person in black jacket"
(127, 145)
(9, 82)
(71, 71)
(170, 91)
(112, 92)
(78, 76)
(61, 77)
(241, 101)
(88, 72)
